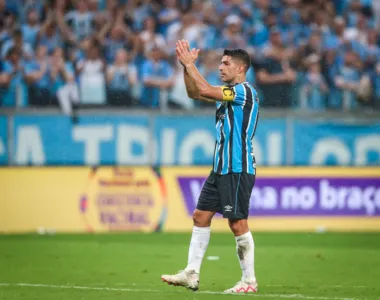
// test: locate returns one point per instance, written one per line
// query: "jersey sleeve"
(236, 94)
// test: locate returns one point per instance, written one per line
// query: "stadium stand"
(308, 54)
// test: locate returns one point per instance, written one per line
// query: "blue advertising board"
(95, 140)
(335, 144)
(3, 140)
(184, 140)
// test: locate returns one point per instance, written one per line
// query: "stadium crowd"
(311, 54)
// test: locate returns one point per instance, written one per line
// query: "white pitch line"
(77, 287)
(123, 284)
(325, 286)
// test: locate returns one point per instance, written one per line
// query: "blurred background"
(91, 92)
(312, 55)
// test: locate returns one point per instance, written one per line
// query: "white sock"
(245, 248)
(198, 246)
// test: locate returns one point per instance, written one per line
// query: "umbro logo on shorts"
(228, 208)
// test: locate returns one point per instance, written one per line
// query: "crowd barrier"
(152, 199)
(154, 139)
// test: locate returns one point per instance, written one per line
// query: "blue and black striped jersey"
(236, 120)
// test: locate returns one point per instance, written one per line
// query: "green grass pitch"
(327, 266)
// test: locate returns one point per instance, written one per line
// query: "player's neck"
(239, 80)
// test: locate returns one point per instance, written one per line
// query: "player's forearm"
(200, 83)
(191, 88)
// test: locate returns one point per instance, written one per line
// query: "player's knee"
(201, 218)
(238, 227)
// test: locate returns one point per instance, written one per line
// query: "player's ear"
(244, 68)
(241, 68)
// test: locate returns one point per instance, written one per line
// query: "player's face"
(229, 69)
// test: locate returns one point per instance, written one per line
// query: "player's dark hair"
(239, 54)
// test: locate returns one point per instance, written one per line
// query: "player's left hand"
(184, 54)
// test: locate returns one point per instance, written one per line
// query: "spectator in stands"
(347, 81)
(336, 38)
(25, 6)
(372, 49)
(178, 95)
(275, 30)
(11, 79)
(188, 29)
(4, 34)
(197, 8)
(376, 9)
(210, 31)
(80, 22)
(313, 47)
(3, 9)
(50, 35)
(31, 28)
(260, 11)
(37, 75)
(275, 75)
(136, 11)
(77, 53)
(17, 41)
(314, 85)
(352, 9)
(233, 36)
(62, 75)
(112, 12)
(210, 71)
(56, 10)
(324, 7)
(329, 68)
(261, 30)
(150, 38)
(91, 75)
(8, 14)
(289, 29)
(93, 6)
(168, 16)
(157, 76)
(375, 80)
(293, 9)
(321, 23)
(120, 37)
(359, 32)
(121, 76)
(243, 9)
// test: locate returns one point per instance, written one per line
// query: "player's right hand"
(183, 50)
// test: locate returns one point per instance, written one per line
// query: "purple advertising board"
(301, 196)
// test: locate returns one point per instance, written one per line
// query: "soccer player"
(228, 188)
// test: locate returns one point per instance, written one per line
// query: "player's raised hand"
(184, 54)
